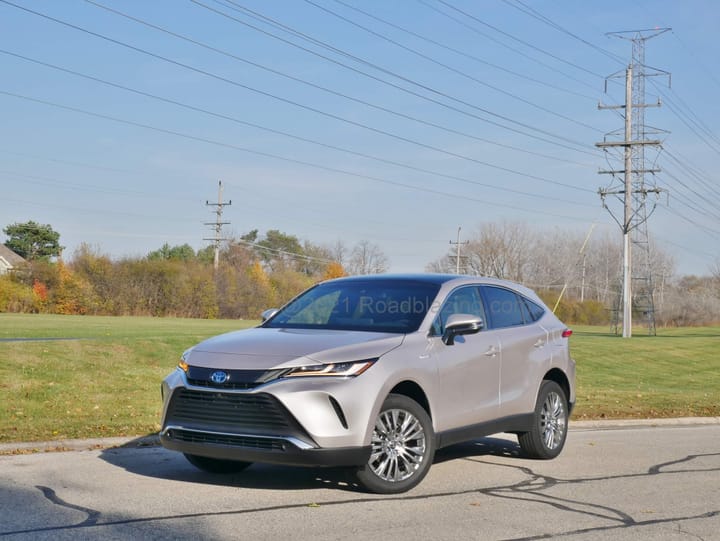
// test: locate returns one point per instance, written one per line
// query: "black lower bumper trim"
(279, 452)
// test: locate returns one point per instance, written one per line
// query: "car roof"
(452, 280)
(428, 278)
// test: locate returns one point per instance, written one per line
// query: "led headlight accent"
(183, 365)
(346, 369)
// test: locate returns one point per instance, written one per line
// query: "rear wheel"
(216, 465)
(403, 446)
(549, 428)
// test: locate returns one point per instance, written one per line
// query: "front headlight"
(346, 369)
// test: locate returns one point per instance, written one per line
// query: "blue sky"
(438, 114)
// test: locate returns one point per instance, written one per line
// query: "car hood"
(265, 349)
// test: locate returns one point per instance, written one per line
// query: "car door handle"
(540, 343)
(491, 352)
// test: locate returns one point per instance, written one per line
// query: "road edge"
(152, 440)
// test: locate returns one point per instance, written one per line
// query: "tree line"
(257, 271)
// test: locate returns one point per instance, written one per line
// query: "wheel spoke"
(552, 421)
(398, 445)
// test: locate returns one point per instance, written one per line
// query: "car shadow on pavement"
(482, 447)
(151, 460)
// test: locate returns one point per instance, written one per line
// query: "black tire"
(216, 465)
(550, 423)
(403, 447)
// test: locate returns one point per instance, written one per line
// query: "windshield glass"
(376, 306)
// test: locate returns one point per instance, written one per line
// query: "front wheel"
(403, 447)
(216, 465)
(549, 427)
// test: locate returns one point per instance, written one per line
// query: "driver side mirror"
(267, 314)
(461, 324)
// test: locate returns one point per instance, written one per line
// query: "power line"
(267, 20)
(287, 134)
(283, 158)
(528, 10)
(331, 91)
(292, 255)
(465, 53)
(503, 44)
(450, 68)
(521, 41)
(66, 162)
(294, 103)
(693, 172)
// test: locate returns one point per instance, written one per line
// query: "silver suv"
(375, 373)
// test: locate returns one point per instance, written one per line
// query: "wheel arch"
(559, 377)
(412, 390)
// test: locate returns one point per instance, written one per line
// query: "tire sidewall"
(546, 389)
(367, 477)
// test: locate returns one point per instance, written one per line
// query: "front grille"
(237, 386)
(236, 379)
(264, 444)
(229, 411)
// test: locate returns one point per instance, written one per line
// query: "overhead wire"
(519, 40)
(517, 51)
(463, 197)
(699, 177)
(465, 54)
(329, 90)
(529, 10)
(235, 6)
(285, 133)
(450, 68)
(297, 104)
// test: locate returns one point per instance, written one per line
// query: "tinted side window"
(536, 311)
(503, 307)
(464, 300)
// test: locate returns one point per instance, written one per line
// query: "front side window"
(464, 300)
(373, 305)
(503, 306)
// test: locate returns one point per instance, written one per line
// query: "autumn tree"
(333, 270)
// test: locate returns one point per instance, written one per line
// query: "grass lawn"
(103, 377)
(105, 381)
(673, 374)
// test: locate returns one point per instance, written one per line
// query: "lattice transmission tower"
(634, 184)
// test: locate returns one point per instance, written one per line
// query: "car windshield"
(373, 305)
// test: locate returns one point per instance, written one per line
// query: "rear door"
(525, 354)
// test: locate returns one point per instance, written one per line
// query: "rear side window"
(503, 307)
(536, 311)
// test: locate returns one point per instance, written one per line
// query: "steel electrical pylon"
(636, 293)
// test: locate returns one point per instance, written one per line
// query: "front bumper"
(253, 448)
(288, 422)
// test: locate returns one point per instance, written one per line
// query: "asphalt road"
(622, 483)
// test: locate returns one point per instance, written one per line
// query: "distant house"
(9, 260)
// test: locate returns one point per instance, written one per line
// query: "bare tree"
(366, 258)
(499, 250)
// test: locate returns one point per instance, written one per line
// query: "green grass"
(673, 374)
(105, 380)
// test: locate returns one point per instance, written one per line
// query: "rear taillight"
(567, 333)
